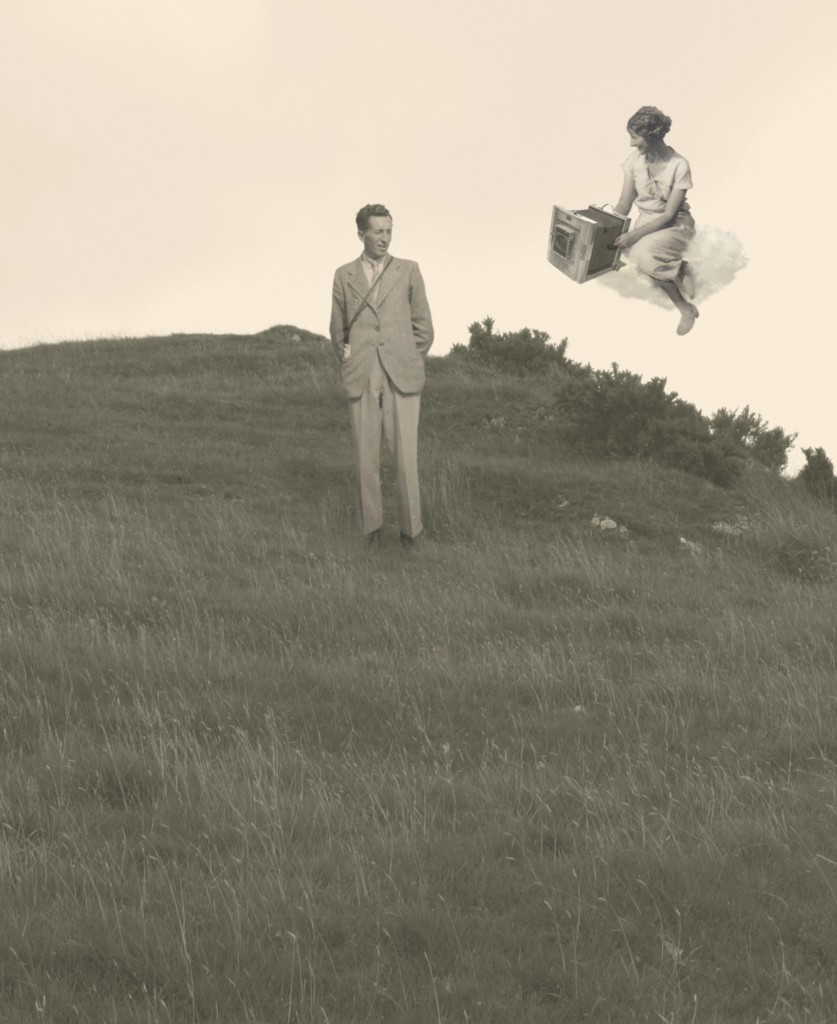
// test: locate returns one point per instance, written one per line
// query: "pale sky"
(195, 165)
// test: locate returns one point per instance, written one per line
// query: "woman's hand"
(663, 220)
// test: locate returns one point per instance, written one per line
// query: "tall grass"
(255, 772)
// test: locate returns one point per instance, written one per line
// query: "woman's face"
(639, 143)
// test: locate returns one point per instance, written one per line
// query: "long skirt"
(660, 254)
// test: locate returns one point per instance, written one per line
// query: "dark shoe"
(373, 539)
(411, 543)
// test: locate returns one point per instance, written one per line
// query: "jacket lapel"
(390, 279)
(356, 278)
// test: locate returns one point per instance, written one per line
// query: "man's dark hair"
(651, 123)
(370, 210)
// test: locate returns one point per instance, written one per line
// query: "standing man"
(381, 331)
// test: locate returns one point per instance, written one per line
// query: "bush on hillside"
(817, 475)
(768, 446)
(615, 413)
(806, 559)
(521, 352)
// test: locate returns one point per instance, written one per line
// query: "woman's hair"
(649, 122)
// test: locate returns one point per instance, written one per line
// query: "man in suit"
(381, 331)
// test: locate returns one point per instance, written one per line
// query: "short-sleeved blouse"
(654, 188)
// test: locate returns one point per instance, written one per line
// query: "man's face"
(376, 237)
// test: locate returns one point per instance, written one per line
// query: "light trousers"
(383, 410)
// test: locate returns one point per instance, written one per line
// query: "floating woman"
(657, 179)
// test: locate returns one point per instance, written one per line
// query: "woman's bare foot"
(688, 315)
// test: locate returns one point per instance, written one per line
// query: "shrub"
(521, 352)
(615, 413)
(806, 559)
(769, 446)
(817, 475)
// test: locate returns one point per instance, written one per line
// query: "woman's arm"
(626, 200)
(675, 201)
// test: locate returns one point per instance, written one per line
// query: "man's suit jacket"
(397, 327)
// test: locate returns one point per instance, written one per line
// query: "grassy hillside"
(536, 772)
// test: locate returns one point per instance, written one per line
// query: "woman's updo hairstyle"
(651, 123)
